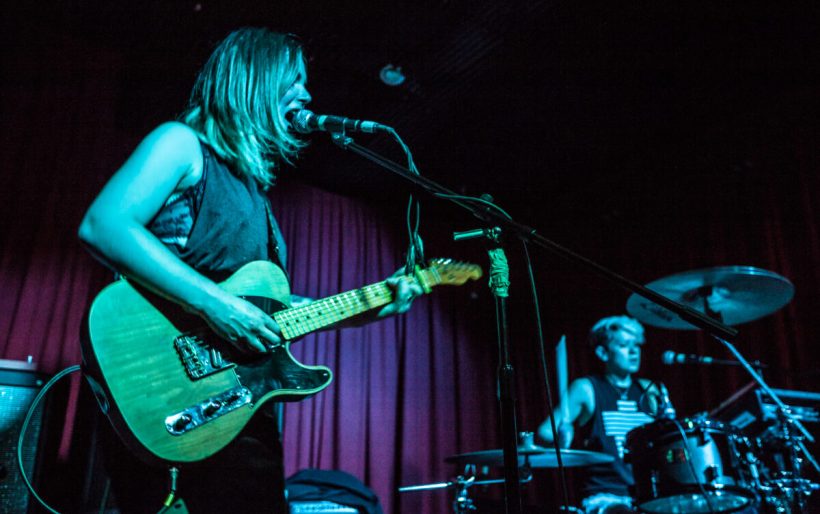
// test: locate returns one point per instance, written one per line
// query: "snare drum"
(672, 473)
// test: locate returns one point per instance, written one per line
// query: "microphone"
(671, 358)
(305, 122)
(666, 409)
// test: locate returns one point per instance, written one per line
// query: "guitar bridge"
(198, 360)
(207, 410)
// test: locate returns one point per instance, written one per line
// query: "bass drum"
(688, 466)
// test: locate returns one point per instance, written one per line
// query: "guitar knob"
(212, 407)
(182, 422)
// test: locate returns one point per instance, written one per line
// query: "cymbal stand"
(789, 486)
(462, 504)
(782, 487)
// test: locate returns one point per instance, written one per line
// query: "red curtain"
(390, 415)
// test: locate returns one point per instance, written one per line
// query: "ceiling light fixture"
(392, 75)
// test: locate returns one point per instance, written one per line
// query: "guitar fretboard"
(322, 313)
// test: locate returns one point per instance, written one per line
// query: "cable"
(173, 474)
(415, 250)
(688, 456)
(24, 427)
(544, 369)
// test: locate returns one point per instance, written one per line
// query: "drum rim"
(662, 427)
(733, 491)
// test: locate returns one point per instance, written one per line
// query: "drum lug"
(653, 480)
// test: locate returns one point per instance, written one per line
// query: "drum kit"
(691, 465)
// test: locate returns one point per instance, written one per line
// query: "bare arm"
(580, 404)
(168, 160)
(654, 391)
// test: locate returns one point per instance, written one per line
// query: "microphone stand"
(493, 218)
(499, 285)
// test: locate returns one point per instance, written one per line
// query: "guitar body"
(174, 393)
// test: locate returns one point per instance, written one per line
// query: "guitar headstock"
(450, 272)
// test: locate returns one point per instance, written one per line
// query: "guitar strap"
(277, 249)
(277, 254)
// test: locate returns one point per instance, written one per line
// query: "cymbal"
(545, 458)
(730, 294)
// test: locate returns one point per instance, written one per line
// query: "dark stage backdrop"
(411, 390)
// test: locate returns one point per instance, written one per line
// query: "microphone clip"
(491, 234)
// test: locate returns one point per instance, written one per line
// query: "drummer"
(603, 407)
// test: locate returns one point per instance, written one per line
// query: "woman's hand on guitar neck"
(241, 323)
(405, 290)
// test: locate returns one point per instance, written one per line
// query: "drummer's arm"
(655, 392)
(580, 404)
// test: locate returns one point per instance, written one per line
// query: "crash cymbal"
(730, 294)
(545, 458)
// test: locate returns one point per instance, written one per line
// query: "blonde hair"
(604, 329)
(234, 102)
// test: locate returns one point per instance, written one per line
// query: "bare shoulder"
(648, 385)
(582, 392)
(173, 134)
(583, 384)
(167, 161)
(177, 146)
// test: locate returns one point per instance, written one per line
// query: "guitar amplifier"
(19, 384)
(752, 410)
(320, 507)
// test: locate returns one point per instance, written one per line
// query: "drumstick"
(561, 373)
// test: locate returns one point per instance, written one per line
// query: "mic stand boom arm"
(527, 234)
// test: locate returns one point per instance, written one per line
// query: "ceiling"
(541, 104)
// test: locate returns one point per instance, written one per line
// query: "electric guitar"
(175, 392)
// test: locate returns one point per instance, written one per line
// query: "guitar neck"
(320, 314)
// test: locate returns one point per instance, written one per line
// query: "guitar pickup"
(207, 410)
(198, 360)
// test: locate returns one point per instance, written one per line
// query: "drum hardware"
(731, 294)
(530, 456)
(753, 411)
(533, 456)
(782, 485)
(545, 458)
(778, 450)
(462, 504)
(691, 465)
(734, 295)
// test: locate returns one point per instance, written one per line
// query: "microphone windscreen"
(300, 121)
(668, 357)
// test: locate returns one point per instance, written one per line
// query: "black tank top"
(221, 223)
(616, 413)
